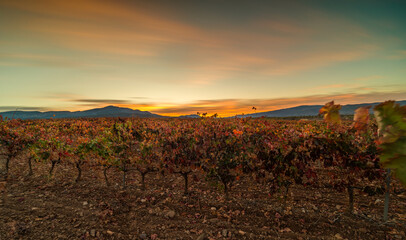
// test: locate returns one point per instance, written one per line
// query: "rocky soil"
(40, 207)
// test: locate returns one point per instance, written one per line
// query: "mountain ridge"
(113, 111)
(109, 111)
(312, 110)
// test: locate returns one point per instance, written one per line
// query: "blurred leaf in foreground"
(361, 118)
(391, 118)
(331, 112)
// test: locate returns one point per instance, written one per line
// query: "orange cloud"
(106, 26)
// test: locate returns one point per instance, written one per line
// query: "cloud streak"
(22, 108)
(102, 101)
(45, 61)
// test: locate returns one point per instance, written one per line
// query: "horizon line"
(23, 109)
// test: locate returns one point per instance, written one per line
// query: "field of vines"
(205, 178)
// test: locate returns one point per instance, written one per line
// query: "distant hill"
(110, 111)
(311, 110)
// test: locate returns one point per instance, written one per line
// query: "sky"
(181, 57)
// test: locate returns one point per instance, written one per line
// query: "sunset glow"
(181, 57)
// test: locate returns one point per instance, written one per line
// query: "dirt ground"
(39, 207)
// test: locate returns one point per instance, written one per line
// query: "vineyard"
(206, 178)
